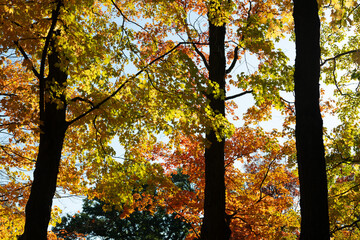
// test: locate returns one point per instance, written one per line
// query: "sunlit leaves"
(102, 49)
(340, 40)
(260, 187)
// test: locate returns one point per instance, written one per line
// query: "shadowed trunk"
(53, 127)
(214, 222)
(309, 141)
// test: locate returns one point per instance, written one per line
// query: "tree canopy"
(135, 105)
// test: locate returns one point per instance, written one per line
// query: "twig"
(181, 216)
(263, 180)
(345, 226)
(14, 153)
(342, 193)
(82, 100)
(336, 83)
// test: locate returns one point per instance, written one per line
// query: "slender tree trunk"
(53, 126)
(309, 141)
(215, 225)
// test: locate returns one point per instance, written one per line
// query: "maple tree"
(339, 66)
(309, 132)
(251, 22)
(59, 60)
(260, 194)
(48, 42)
(339, 53)
(67, 74)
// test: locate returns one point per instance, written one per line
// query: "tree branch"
(202, 56)
(288, 104)
(238, 95)
(236, 51)
(54, 19)
(14, 153)
(97, 132)
(82, 100)
(153, 84)
(26, 57)
(124, 83)
(344, 192)
(345, 226)
(336, 83)
(127, 19)
(264, 178)
(181, 216)
(338, 55)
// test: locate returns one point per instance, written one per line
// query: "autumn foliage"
(258, 181)
(136, 95)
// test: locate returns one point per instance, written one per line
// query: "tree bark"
(309, 141)
(53, 127)
(215, 225)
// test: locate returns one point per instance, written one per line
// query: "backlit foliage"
(137, 71)
(340, 66)
(261, 189)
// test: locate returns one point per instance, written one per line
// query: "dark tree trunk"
(215, 225)
(309, 141)
(53, 127)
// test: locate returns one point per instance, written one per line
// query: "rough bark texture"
(215, 225)
(53, 127)
(309, 141)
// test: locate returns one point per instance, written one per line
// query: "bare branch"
(14, 153)
(337, 56)
(127, 19)
(336, 83)
(236, 52)
(202, 56)
(238, 95)
(264, 178)
(26, 57)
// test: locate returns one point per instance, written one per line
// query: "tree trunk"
(309, 141)
(215, 225)
(53, 127)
